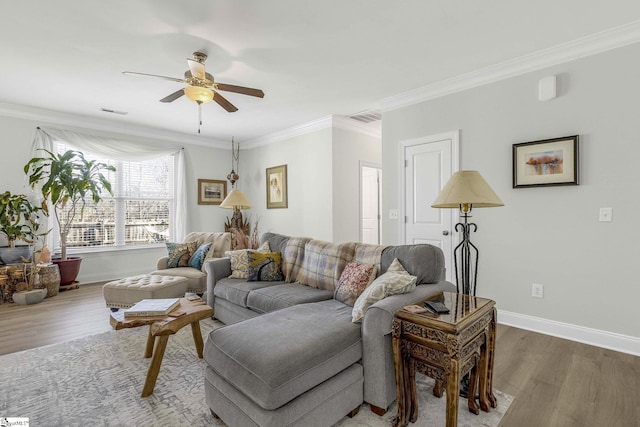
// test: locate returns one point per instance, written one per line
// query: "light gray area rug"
(97, 381)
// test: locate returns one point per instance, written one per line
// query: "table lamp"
(466, 190)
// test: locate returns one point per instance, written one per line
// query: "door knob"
(445, 233)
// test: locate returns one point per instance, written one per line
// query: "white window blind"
(138, 212)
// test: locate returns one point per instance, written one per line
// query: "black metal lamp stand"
(465, 255)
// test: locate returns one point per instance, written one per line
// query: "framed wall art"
(546, 162)
(277, 187)
(211, 191)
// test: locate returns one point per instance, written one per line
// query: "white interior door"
(370, 215)
(429, 163)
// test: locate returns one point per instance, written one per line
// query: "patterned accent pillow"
(323, 263)
(354, 279)
(199, 256)
(180, 253)
(265, 267)
(394, 281)
(240, 261)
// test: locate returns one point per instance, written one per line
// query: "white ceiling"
(311, 59)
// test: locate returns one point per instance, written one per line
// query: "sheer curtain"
(120, 149)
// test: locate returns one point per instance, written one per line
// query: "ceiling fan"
(202, 88)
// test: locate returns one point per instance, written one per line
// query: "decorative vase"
(29, 297)
(50, 279)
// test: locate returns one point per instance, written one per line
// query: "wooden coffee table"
(195, 311)
(445, 347)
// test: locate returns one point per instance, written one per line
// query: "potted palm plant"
(18, 221)
(67, 181)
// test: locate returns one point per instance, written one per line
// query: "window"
(138, 212)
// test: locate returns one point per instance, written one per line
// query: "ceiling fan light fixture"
(198, 94)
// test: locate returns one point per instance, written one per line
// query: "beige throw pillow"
(396, 280)
(240, 261)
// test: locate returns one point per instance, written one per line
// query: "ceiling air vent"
(367, 116)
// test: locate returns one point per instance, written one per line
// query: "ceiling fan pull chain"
(199, 115)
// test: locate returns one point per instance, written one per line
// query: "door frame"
(365, 164)
(454, 136)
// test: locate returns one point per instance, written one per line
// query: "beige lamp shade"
(236, 199)
(467, 189)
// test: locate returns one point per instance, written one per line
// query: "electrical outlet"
(393, 214)
(537, 291)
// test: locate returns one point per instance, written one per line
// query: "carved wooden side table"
(445, 347)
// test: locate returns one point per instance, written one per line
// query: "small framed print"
(211, 191)
(277, 187)
(546, 162)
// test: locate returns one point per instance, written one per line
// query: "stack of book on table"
(152, 307)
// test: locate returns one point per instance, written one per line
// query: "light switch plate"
(393, 214)
(606, 214)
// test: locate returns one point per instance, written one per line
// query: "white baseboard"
(610, 340)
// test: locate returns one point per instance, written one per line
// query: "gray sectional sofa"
(290, 353)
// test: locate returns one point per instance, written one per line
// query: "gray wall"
(548, 235)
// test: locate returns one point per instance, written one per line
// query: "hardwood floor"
(556, 382)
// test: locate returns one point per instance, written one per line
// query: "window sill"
(100, 249)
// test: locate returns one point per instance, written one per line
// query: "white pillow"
(396, 280)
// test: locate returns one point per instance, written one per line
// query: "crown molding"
(586, 46)
(86, 122)
(313, 126)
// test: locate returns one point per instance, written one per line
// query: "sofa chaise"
(291, 353)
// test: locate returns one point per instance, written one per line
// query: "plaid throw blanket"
(293, 258)
(370, 254)
(324, 262)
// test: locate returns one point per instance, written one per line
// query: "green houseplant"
(18, 221)
(67, 181)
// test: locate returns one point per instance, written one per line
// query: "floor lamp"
(466, 190)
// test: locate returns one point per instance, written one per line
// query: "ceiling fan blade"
(240, 89)
(222, 101)
(173, 79)
(197, 69)
(175, 95)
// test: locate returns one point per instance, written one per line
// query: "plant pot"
(69, 269)
(10, 255)
(29, 297)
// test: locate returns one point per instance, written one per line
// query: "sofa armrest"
(377, 350)
(216, 268)
(162, 263)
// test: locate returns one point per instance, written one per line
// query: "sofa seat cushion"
(197, 279)
(271, 298)
(237, 290)
(273, 368)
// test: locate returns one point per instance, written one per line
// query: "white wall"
(16, 136)
(548, 235)
(349, 149)
(309, 179)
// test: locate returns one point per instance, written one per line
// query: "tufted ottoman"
(124, 293)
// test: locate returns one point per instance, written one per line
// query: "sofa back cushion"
(220, 242)
(277, 242)
(324, 262)
(426, 262)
